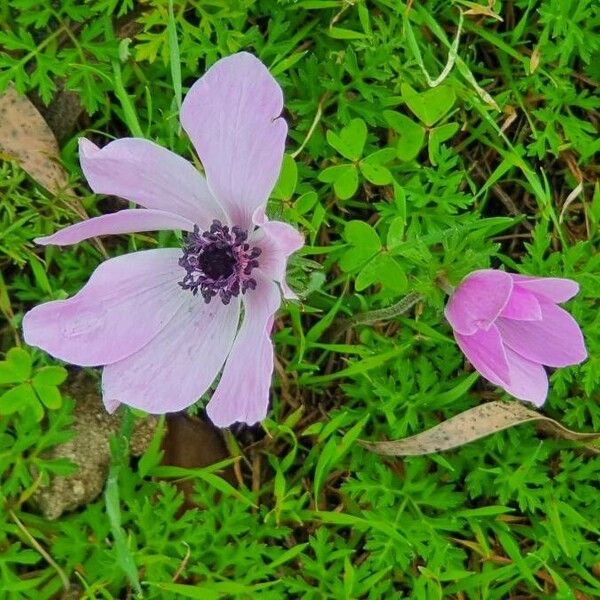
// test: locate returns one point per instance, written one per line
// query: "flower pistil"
(218, 261)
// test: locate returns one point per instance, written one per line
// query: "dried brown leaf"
(26, 138)
(480, 10)
(535, 60)
(472, 425)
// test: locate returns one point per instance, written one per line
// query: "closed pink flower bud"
(509, 326)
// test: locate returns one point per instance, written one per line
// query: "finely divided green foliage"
(395, 185)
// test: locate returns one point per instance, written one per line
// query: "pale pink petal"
(555, 341)
(232, 117)
(522, 306)
(478, 300)
(555, 289)
(125, 303)
(243, 391)
(277, 241)
(124, 221)
(177, 367)
(486, 353)
(528, 380)
(151, 176)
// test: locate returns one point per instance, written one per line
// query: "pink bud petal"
(522, 306)
(478, 300)
(555, 289)
(556, 340)
(486, 353)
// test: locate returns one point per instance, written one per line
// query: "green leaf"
(339, 33)
(210, 590)
(372, 167)
(323, 466)
(17, 398)
(381, 157)
(16, 367)
(359, 233)
(332, 174)
(49, 395)
(429, 106)
(437, 135)
(344, 179)
(50, 375)
(287, 63)
(351, 140)
(288, 178)
(124, 554)
(395, 234)
(7, 374)
(39, 273)
(385, 270)
(364, 241)
(354, 258)
(305, 202)
(152, 457)
(376, 174)
(174, 57)
(411, 134)
(345, 187)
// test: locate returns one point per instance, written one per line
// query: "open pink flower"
(509, 325)
(164, 322)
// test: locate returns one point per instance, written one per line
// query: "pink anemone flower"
(164, 322)
(509, 326)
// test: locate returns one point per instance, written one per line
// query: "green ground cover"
(396, 180)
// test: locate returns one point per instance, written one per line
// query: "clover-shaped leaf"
(372, 167)
(367, 255)
(33, 390)
(350, 144)
(344, 179)
(385, 270)
(429, 106)
(411, 135)
(351, 139)
(20, 398)
(16, 367)
(364, 244)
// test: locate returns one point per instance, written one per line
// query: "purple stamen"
(218, 261)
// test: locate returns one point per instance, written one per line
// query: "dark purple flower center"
(218, 262)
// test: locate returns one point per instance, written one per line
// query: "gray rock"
(89, 449)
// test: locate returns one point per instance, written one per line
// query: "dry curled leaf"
(535, 60)
(26, 138)
(472, 425)
(480, 10)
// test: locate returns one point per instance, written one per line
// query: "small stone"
(89, 449)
